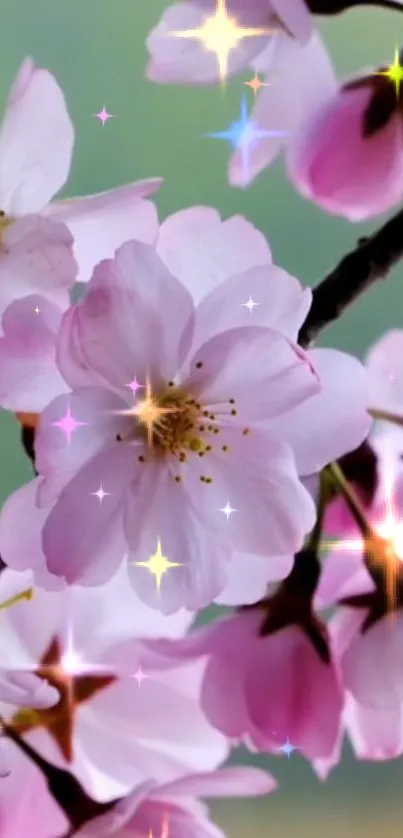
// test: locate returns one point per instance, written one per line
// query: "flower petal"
(257, 476)
(122, 313)
(83, 538)
(35, 151)
(37, 258)
(202, 251)
(101, 223)
(96, 413)
(163, 514)
(278, 301)
(259, 368)
(21, 547)
(29, 376)
(333, 421)
(245, 588)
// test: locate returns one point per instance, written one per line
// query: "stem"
(78, 807)
(369, 262)
(351, 499)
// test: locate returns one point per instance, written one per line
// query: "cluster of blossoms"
(190, 451)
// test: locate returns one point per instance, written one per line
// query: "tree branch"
(334, 7)
(78, 807)
(371, 260)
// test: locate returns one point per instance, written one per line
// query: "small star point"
(250, 304)
(68, 424)
(287, 748)
(103, 116)
(255, 84)
(227, 510)
(100, 494)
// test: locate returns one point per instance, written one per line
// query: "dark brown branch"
(371, 261)
(334, 7)
(78, 807)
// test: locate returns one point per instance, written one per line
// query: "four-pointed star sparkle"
(244, 134)
(158, 565)
(68, 424)
(221, 34)
(103, 116)
(394, 72)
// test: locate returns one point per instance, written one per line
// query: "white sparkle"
(228, 510)
(100, 494)
(37, 310)
(139, 675)
(250, 304)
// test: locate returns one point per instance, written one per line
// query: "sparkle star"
(244, 134)
(255, 84)
(68, 424)
(149, 413)
(228, 510)
(221, 34)
(287, 748)
(134, 386)
(100, 494)
(37, 310)
(103, 116)
(74, 688)
(139, 676)
(394, 73)
(250, 304)
(158, 565)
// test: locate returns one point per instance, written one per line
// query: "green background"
(96, 50)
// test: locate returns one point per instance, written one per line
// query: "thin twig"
(370, 262)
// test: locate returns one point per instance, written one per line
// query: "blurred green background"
(96, 50)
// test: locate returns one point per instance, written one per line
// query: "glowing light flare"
(221, 34)
(149, 412)
(164, 830)
(388, 552)
(394, 73)
(255, 84)
(158, 565)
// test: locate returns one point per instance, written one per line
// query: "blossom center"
(173, 423)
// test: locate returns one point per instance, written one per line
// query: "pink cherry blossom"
(187, 61)
(341, 165)
(281, 688)
(35, 158)
(123, 733)
(107, 337)
(174, 809)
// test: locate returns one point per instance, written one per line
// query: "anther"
(177, 479)
(141, 459)
(199, 365)
(246, 431)
(232, 401)
(234, 413)
(225, 448)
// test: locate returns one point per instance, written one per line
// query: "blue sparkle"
(244, 134)
(287, 748)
